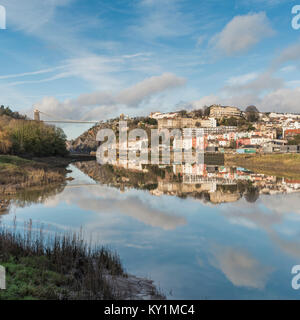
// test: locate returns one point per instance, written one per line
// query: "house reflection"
(211, 183)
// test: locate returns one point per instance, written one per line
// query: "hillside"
(21, 136)
(87, 143)
(6, 111)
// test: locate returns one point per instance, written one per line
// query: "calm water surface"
(191, 248)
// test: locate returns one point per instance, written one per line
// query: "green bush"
(18, 135)
(8, 112)
(37, 138)
(295, 140)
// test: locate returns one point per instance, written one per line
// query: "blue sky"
(95, 59)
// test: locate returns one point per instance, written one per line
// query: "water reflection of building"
(212, 183)
(131, 165)
(223, 183)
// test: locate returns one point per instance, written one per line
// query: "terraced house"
(224, 112)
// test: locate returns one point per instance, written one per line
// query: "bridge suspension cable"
(60, 120)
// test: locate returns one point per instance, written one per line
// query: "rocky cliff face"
(86, 143)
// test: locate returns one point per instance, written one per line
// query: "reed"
(56, 266)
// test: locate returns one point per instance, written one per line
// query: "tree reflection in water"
(210, 183)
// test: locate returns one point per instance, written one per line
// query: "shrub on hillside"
(36, 138)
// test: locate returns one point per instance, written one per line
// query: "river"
(208, 236)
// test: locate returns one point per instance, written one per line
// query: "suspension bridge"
(38, 113)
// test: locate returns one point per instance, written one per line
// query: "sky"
(96, 59)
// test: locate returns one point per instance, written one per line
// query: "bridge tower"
(37, 115)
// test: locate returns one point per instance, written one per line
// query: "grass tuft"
(59, 267)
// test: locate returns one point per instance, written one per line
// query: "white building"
(159, 115)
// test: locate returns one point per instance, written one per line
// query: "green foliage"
(250, 127)
(252, 109)
(150, 121)
(60, 266)
(252, 116)
(37, 139)
(232, 144)
(13, 160)
(198, 113)
(242, 124)
(30, 279)
(8, 112)
(206, 111)
(21, 136)
(183, 113)
(231, 122)
(279, 133)
(295, 140)
(11, 165)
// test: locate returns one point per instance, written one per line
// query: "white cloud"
(289, 68)
(242, 33)
(108, 201)
(284, 100)
(279, 209)
(106, 102)
(31, 15)
(33, 73)
(265, 90)
(293, 83)
(259, 84)
(280, 100)
(240, 268)
(41, 19)
(238, 100)
(291, 53)
(135, 95)
(205, 101)
(161, 19)
(96, 70)
(242, 79)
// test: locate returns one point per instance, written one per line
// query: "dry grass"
(280, 165)
(17, 174)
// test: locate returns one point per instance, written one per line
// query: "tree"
(252, 116)
(150, 121)
(232, 122)
(252, 194)
(8, 112)
(183, 113)
(250, 127)
(252, 109)
(36, 138)
(198, 113)
(206, 111)
(232, 144)
(5, 143)
(279, 133)
(295, 140)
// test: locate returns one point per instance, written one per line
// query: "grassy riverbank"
(280, 165)
(18, 173)
(61, 267)
(64, 267)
